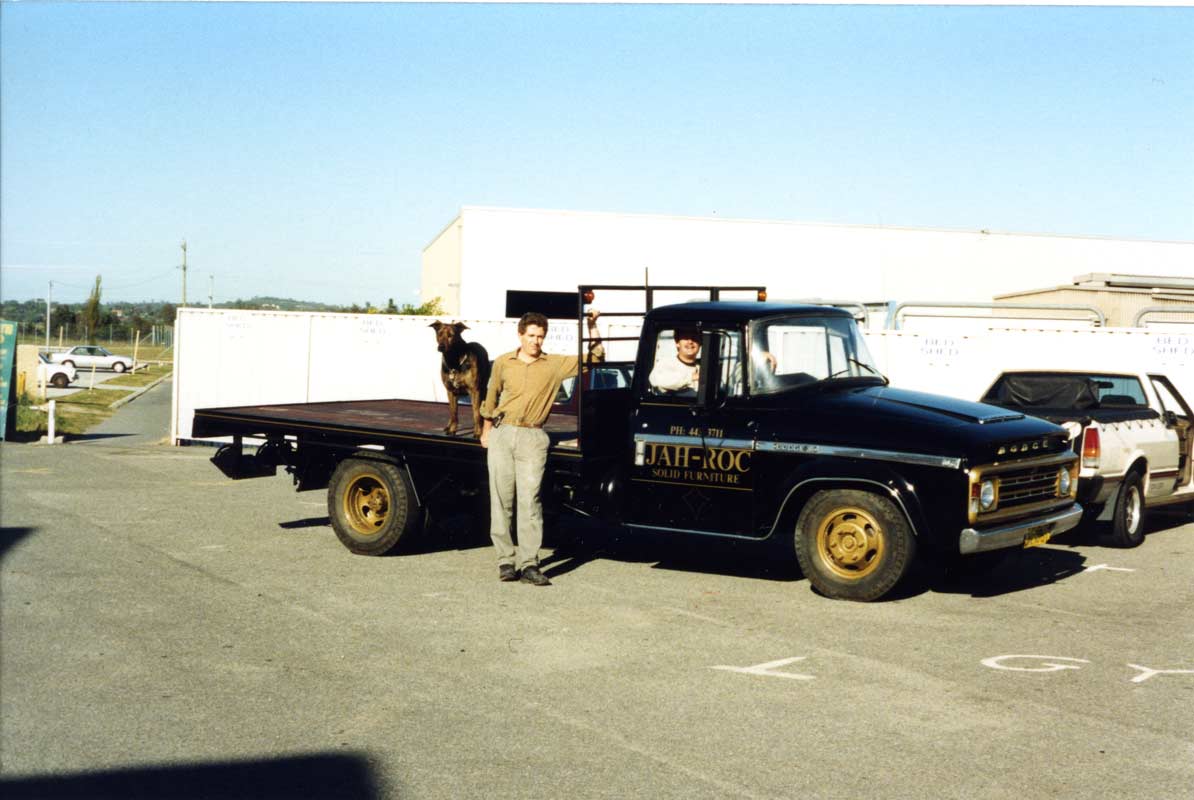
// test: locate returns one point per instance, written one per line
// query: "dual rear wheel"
(372, 507)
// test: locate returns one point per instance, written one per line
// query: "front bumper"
(1013, 535)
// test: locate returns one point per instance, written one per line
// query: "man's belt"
(501, 420)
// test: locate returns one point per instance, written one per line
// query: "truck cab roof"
(738, 311)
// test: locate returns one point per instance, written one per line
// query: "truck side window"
(1169, 400)
(730, 383)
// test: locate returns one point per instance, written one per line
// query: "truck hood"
(880, 417)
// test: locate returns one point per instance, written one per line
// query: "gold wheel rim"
(850, 542)
(366, 505)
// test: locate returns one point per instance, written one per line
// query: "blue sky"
(312, 150)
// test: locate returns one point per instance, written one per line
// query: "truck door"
(1180, 420)
(692, 467)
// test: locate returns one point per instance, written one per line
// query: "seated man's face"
(687, 347)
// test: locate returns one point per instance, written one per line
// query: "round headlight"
(986, 495)
(1063, 481)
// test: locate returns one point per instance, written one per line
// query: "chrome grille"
(1030, 485)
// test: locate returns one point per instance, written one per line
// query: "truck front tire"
(853, 545)
(371, 505)
(1127, 522)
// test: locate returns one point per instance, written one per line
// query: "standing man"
(522, 388)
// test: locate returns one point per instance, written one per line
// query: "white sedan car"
(57, 375)
(86, 356)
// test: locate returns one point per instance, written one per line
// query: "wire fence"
(77, 333)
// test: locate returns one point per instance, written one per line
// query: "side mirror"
(1169, 418)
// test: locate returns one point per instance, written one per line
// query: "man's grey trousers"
(517, 458)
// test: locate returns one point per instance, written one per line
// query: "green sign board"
(8, 374)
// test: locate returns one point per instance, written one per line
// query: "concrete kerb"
(135, 394)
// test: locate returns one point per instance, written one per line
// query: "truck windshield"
(799, 350)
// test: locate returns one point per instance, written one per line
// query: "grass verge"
(142, 377)
(79, 412)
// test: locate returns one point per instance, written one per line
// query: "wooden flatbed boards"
(360, 422)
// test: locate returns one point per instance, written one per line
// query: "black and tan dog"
(464, 369)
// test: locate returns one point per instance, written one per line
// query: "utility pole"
(49, 299)
(211, 288)
(184, 273)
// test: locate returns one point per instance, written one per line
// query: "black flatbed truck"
(791, 433)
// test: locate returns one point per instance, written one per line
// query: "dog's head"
(447, 335)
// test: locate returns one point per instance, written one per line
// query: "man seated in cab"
(682, 373)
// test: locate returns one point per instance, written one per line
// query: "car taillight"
(1090, 447)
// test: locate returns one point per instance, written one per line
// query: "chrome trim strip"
(1032, 462)
(693, 530)
(974, 541)
(854, 452)
(706, 441)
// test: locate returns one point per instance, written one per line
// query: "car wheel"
(371, 506)
(59, 381)
(119, 366)
(853, 545)
(1127, 522)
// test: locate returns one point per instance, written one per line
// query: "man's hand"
(486, 427)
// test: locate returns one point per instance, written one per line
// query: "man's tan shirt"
(522, 393)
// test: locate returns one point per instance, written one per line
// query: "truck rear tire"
(371, 505)
(1127, 522)
(853, 545)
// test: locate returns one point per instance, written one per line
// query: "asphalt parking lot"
(171, 633)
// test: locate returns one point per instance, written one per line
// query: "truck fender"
(398, 459)
(818, 476)
(315, 470)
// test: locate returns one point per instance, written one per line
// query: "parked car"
(1132, 430)
(57, 375)
(86, 356)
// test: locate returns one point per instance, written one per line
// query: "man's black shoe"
(507, 573)
(532, 575)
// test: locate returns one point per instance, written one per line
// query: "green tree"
(432, 308)
(90, 316)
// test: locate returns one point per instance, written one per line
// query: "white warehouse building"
(485, 251)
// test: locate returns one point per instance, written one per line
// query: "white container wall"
(234, 358)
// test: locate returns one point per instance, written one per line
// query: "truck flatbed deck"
(358, 422)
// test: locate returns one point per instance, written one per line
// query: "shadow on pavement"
(999, 574)
(1098, 534)
(315, 776)
(444, 532)
(11, 537)
(309, 522)
(93, 437)
(579, 542)
(1013, 571)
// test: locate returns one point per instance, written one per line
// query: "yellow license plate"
(1037, 537)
